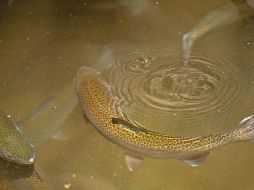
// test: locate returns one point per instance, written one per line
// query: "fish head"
(14, 145)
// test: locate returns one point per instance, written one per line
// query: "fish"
(43, 123)
(48, 117)
(14, 144)
(102, 109)
(55, 109)
(223, 15)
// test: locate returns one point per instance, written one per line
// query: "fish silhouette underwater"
(222, 15)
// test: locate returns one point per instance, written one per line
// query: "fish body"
(101, 109)
(17, 149)
(14, 145)
(227, 13)
(46, 120)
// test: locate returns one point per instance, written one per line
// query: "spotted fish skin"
(101, 109)
(14, 145)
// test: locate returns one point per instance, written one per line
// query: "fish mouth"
(84, 72)
(30, 159)
(26, 161)
(9, 157)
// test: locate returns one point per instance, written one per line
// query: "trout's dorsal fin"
(195, 160)
(128, 125)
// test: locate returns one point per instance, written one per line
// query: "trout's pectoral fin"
(133, 162)
(195, 160)
(246, 121)
(127, 125)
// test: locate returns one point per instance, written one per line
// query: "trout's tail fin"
(187, 42)
(246, 129)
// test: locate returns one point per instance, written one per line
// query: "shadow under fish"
(101, 109)
(15, 171)
(24, 177)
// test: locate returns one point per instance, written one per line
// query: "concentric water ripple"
(154, 83)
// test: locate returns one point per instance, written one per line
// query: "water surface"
(137, 47)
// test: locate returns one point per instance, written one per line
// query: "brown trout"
(101, 109)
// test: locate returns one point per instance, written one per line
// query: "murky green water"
(138, 47)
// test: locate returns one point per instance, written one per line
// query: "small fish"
(225, 14)
(47, 119)
(14, 145)
(101, 109)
